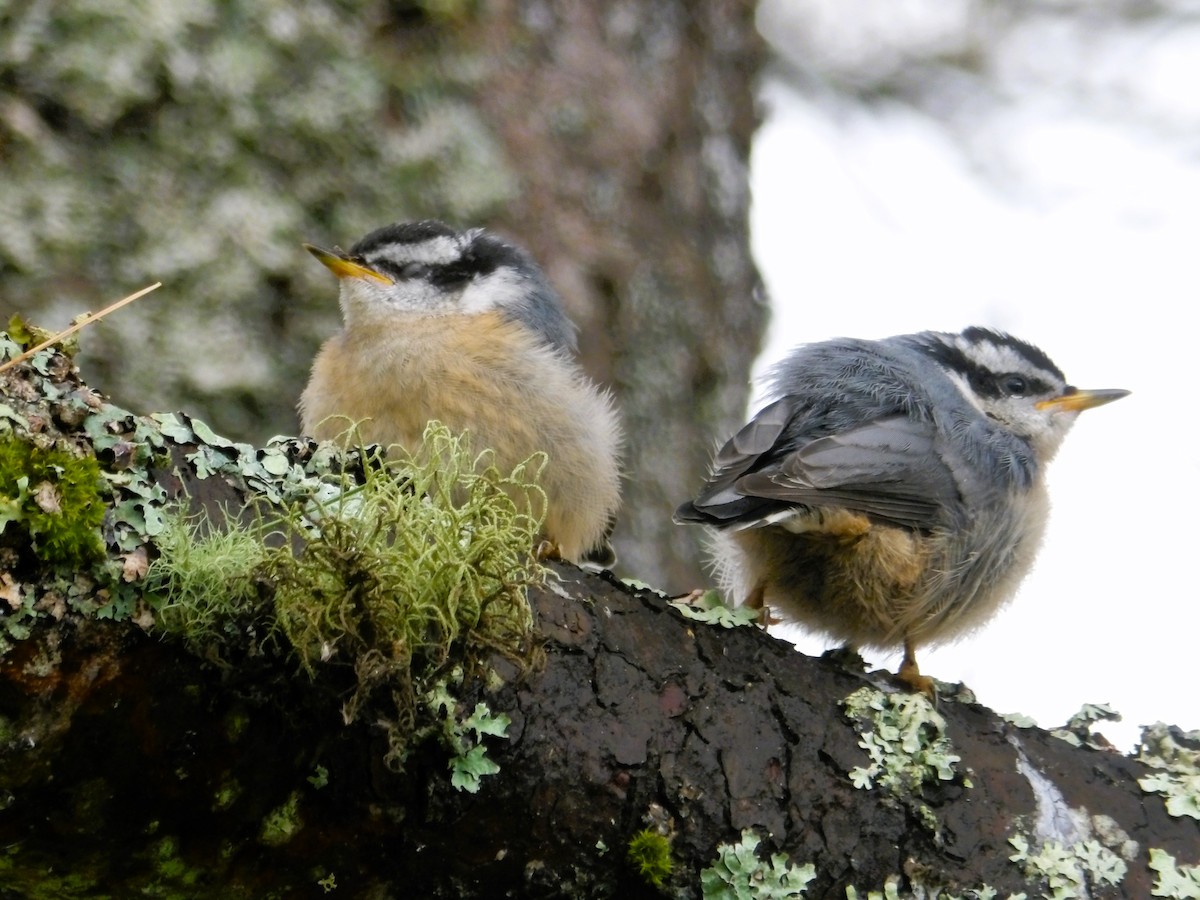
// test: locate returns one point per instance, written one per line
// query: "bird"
(463, 327)
(892, 492)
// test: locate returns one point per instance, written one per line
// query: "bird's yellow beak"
(343, 266)
(1077, 401)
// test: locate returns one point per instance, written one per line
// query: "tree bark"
(130, 765)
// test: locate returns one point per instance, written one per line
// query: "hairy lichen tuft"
(205, 585)
(650, 854)
(400, 569)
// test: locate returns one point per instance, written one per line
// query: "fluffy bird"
(463, 327)
(893, 492)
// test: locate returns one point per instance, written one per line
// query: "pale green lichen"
(905, 740)
(891, 891)
(205, 582)
(1068, 872)
(739, 873)
(463, 737)
(1175, 757)
(1078, 730)
(710, 609)
(1174, 880)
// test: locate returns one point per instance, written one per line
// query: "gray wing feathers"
(743, 450)
(887, 469)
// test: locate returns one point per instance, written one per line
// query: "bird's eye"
(414, 270)
(1014, 385)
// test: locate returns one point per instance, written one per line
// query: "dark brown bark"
(638, 716)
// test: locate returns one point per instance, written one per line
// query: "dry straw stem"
(87, 320)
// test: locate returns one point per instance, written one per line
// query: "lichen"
(1068, 871)
(204, 583)
(463, 736)
(399, 567)
(1174, 755)
(1174, 880)
(650, 855)
(710, 609)
(1078, 730)
(739, 873)
(891, 891)
(906, 742)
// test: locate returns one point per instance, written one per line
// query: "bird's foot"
(756, 600)
(916, 682)
(547, 550)
(910, 676)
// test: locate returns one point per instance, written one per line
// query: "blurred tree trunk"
(631, 125)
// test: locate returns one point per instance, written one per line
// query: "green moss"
(650, 854)
(282, 823)
(227, 793)
(55, 497)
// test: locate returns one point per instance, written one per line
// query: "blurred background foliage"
(199, 143)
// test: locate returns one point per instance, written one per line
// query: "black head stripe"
(487, 253)
(402, 233)
(983, 381)
(1035, 355)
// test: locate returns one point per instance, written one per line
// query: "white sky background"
(1054, 193)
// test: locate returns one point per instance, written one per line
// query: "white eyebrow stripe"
(997, 358)
(439, 250)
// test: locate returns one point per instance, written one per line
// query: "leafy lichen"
(1068, 872)
(891, 891)
(710, 609)
(463, 737)
(1174, 755)
(400, 568)
(739, 873)
(1078, 730)
(1174, 880)
(906, 741)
